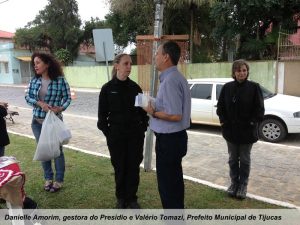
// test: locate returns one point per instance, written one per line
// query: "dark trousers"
(126, 156)
(239, 162)
(170, 149)
(2, 149)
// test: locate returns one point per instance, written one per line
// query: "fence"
(262, 72)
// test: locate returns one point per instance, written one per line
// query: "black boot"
(242, 191)
(133, 205)
(121, 204)
(232, 190)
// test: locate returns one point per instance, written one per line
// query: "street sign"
(104, 45)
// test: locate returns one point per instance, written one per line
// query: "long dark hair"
(54, 67)
(116, 61)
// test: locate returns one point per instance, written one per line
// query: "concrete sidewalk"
(275, 170)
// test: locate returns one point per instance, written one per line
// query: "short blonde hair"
(117, 61)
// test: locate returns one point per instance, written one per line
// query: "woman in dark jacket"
(240, 108)
(124, 126)
(4, 139)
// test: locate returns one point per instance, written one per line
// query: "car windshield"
(266, 93)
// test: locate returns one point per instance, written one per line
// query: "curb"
(196, 180)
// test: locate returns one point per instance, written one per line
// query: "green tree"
(191, 7)
(32, 38)
(242, 26)
(64, 56)
(130, 18)
(57, 26)
(191, 17)
(180, 17)
(89, 26)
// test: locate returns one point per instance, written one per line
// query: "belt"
(167, 134)
(39, 120)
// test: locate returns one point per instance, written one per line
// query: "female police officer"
(124, 125)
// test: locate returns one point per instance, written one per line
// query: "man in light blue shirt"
(170, 119)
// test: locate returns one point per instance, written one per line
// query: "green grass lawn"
(89, 183)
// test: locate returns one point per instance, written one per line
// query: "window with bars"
(4, 67)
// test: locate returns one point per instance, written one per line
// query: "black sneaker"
(121, 204)
(242, 191)
(133, 205)
(232, 190)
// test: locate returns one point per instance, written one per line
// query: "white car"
(282, 112)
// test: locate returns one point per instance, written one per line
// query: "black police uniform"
(124, 126)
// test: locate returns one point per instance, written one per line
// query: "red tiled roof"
(5, 34)
(295, 38)
(84, 49)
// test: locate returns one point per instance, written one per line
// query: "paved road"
(275, 170)
(86, 104)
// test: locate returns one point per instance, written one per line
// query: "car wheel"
(272, 130)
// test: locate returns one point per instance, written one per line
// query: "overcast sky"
(16, 14)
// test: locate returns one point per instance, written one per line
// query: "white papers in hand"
(142, 100)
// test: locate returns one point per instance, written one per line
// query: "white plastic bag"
(62, 132)
(53, 134)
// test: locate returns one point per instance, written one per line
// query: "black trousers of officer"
(170, 149)
(126, 153)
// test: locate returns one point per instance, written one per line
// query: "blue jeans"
(2, 148)
(170, 149)
(59, 162)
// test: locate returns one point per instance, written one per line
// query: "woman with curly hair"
(48, 90)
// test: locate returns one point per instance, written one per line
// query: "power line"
(4, 1)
